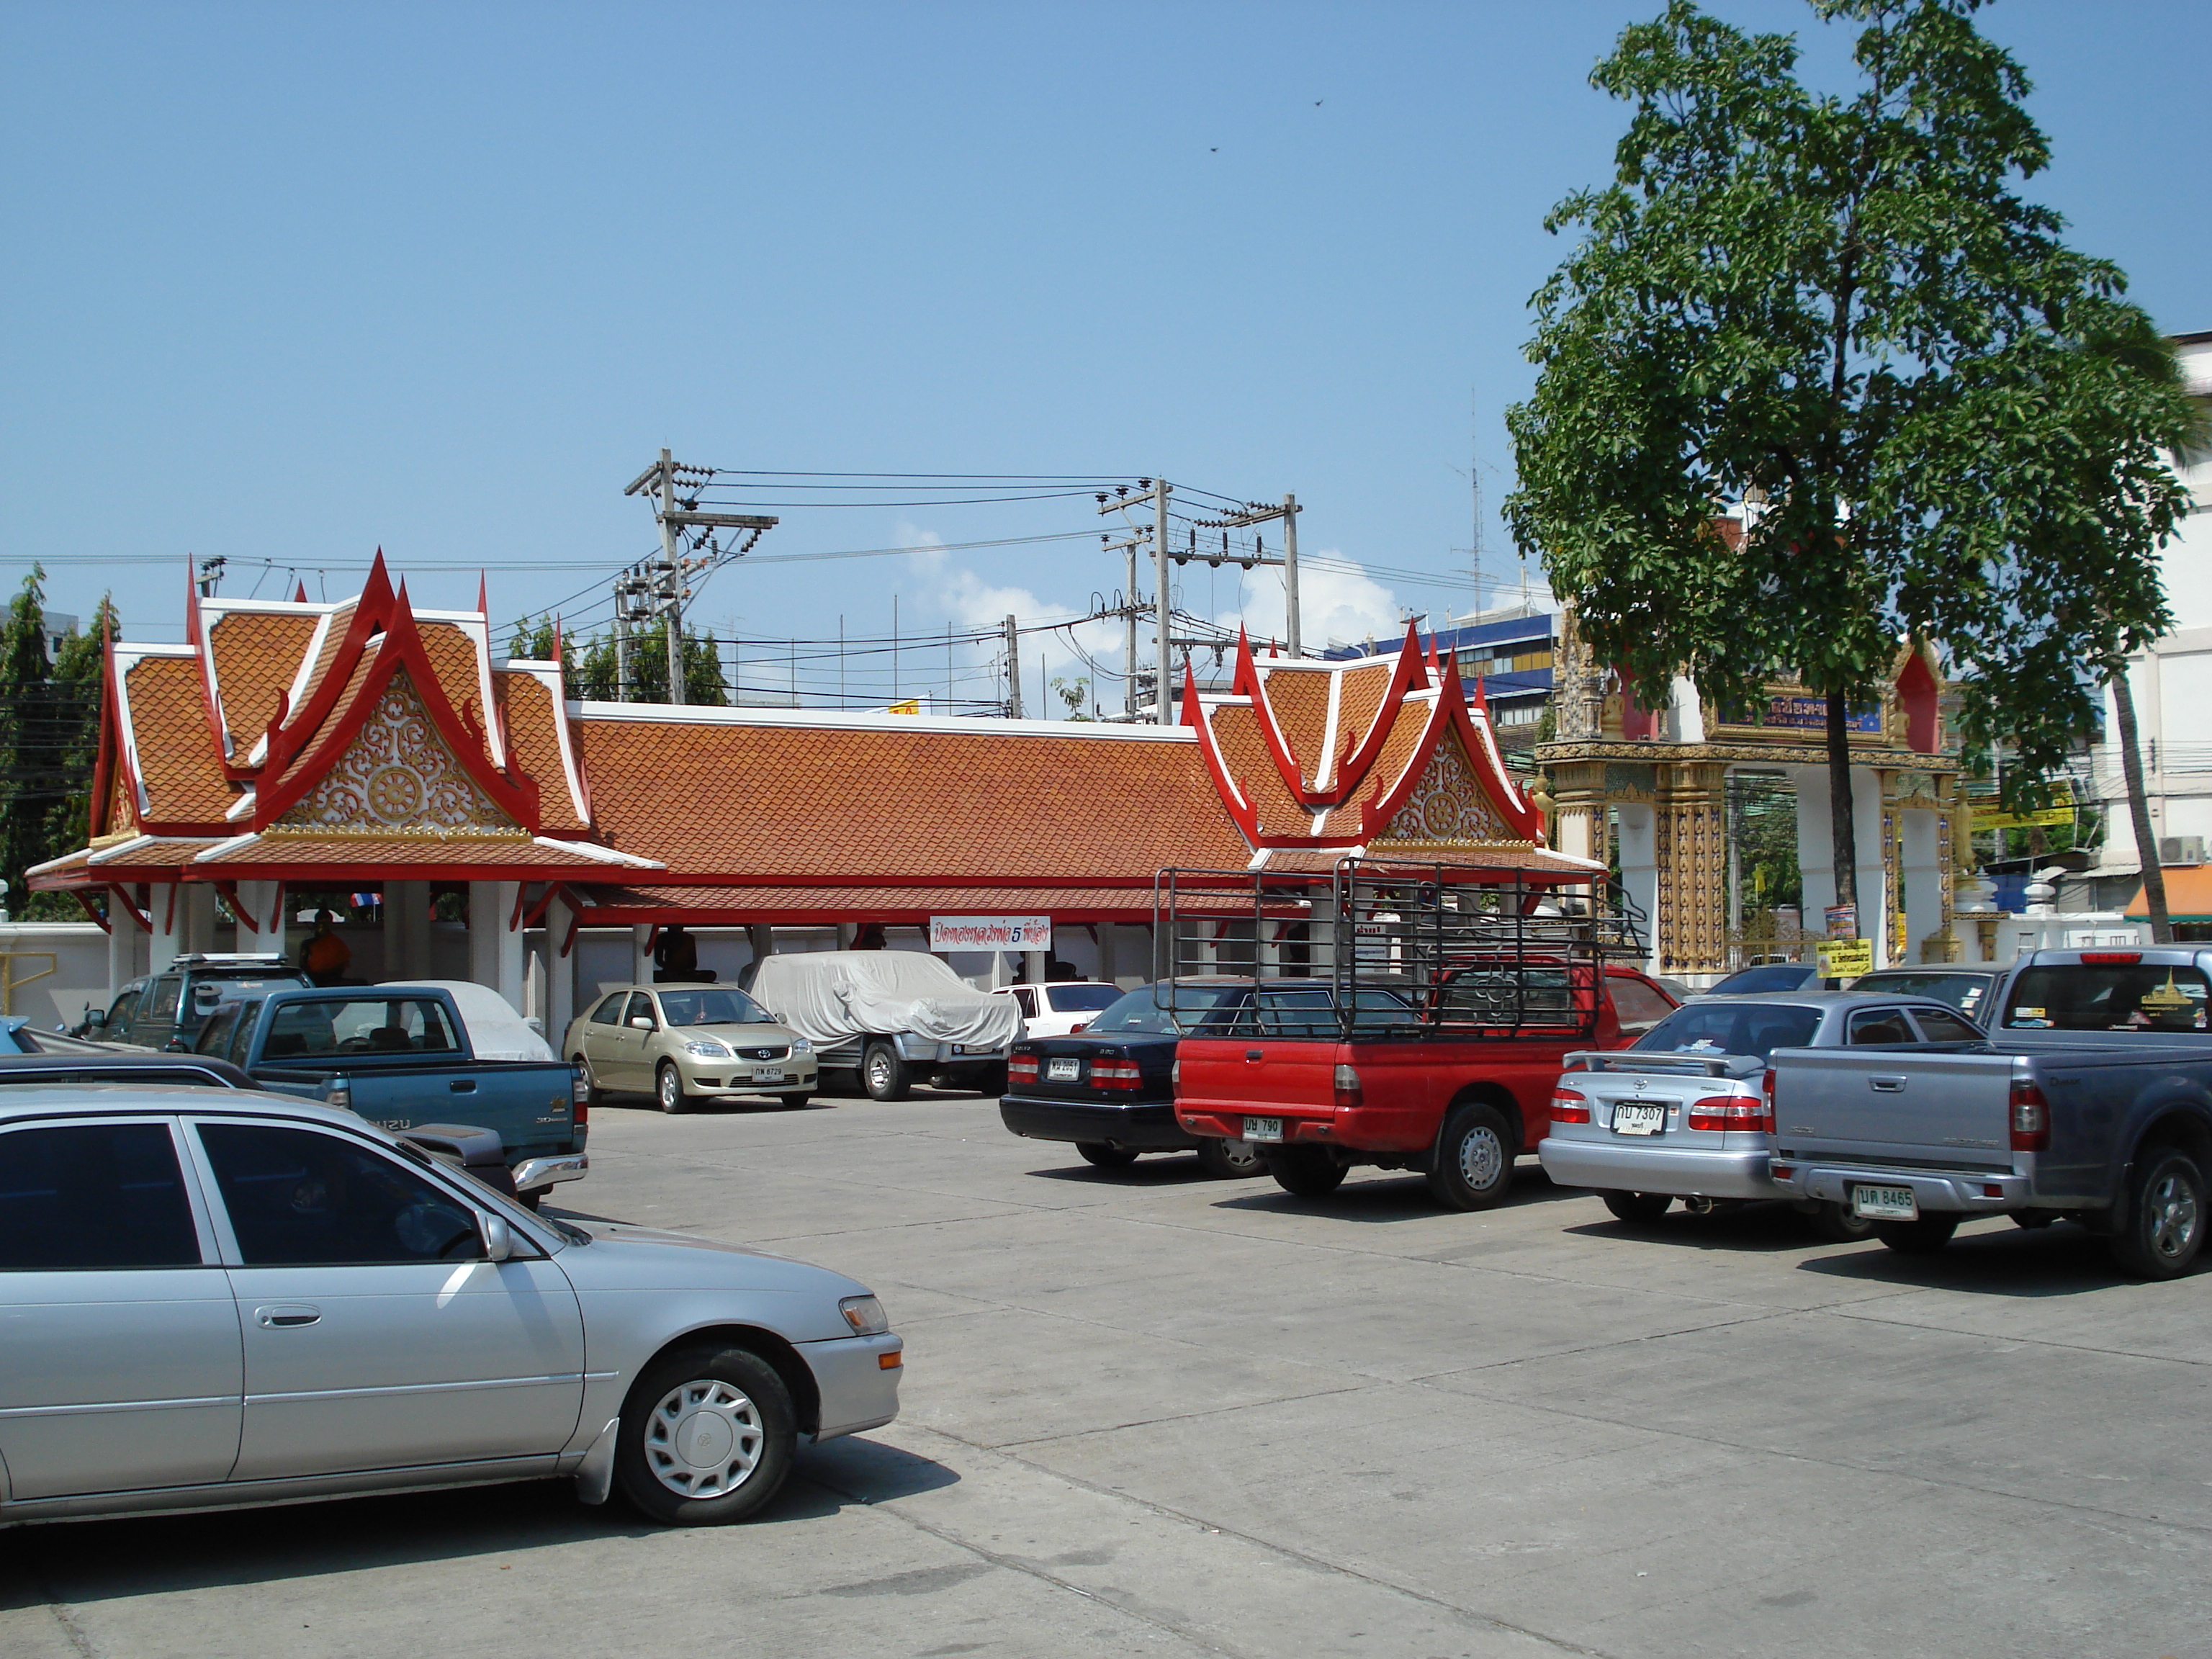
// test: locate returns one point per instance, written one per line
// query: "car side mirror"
(96, 1018)
(498, 1236)
(640, 1021)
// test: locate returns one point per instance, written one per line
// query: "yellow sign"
(1990, 814)
(1845, 958)
(911, 706)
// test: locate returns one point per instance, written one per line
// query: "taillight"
(2111, 958)
(1727, 1113)
(1569, 1106)
(1022, 1068)
(1348, 1091)
(1766, 1088)
(1175, 1076)
(1078, 1026)
(1116, 1074)
(2031, 1118)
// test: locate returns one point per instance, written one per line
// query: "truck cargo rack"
(1370, 947)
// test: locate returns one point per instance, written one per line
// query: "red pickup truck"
(1428, 1036)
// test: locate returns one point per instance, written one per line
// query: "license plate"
(768, 1074)
(1063, 1071)
(1638, 1117)
(1263, 1128)
(1885, 1203)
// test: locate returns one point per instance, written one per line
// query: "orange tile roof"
(756, 906)
(1244, 752)
(256, 655)
(333, 637)
(1299, 700)
(534, 748)
(452, 657)
(162, 854)
(364, 665)
(1358, 703)
(862, 804)
(361, 855)
(185, 784)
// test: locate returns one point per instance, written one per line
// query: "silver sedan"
(210, 1299)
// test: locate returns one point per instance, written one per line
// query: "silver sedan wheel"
(2174, 1217)
(704, 1439)
(1481, 1155)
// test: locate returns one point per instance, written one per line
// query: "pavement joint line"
(2192, 1528)
(1845, 1310)
(1183, 1417)
(1601, 1347)
(1287, 1551)
(64, 1615)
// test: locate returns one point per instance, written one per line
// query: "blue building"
(1512, 655)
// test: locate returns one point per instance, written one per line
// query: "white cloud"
(1335, 607)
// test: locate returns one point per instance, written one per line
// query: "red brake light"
(1116, 1074)
(1349, 1090)
(1022, 1068)
(1078, 1026)
(1570, 1107)
(2031, 1118)
(2113, 958)
(1729, 1113)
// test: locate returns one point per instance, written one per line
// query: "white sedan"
(216, 1297)
(1062, 1007)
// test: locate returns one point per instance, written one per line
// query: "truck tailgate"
(1271, 1076)
(1866, 1106)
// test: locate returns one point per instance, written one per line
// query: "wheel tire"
(2033, 1220)
(2167, 1204)
(1637, 1209)
(1305, 1171)
(1230, 1160)
(992, 1082)
(668, 1091)
(792, 1102)
(884, 1074)
(1836, 1224)
(1925, 1236)
(593, 1095)
(1105, 1157)
(746, 1408)
(1474, 1158)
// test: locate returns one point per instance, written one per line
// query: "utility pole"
(1014, 670)
(1128, 610)
(671, 571)
(1254, 513)
(1159, 490)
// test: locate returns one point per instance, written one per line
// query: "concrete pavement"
(1150, 1414)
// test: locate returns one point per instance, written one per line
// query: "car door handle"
(1255, 1054)
(286, 1316)
(463, 1085)
(1888, 1085)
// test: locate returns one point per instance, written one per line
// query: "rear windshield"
(1962, 991)
(1730, 1028)
(363, 1026)
(1081, 998)
(1297, 1011)
(1772, 976)
(2084, 996)
(1143, 1009)
(720, 1006)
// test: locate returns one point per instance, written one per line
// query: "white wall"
(80, 952)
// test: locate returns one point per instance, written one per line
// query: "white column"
(1638, 840)
(560, 973)
(124, 934)
(1816, 843)
(640, 955)
(1109, 957)
(406, 930)
(257, 902)
(196, 912)
(495, 947)
(167, 910)
(1917, 852)
(1875, 923)
(1033, 963)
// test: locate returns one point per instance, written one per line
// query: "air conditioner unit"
(2181, 850)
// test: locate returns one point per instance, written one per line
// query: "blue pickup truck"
(399, 1056)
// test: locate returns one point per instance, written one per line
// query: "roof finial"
(483, 597)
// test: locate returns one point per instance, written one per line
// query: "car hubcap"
(2174, 1217)
(879, 1073)
(704, 1439)
(668, 1088)
(1240, 1154)
(1480, 1156)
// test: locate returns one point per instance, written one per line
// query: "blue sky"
(287, 282)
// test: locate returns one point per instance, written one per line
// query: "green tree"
(1841, 308)
(703, 669)
(1074, 694)
(49, 741)
(533, 642)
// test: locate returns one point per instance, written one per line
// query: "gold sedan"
(685, 1042)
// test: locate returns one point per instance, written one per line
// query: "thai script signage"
(990, 932)
(1802, 712)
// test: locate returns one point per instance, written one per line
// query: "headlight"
(706, 1048)
(801, 1046)
(864, 1315)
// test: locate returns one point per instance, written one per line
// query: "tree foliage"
(595, 677)
(49, 741)
(1845, 304)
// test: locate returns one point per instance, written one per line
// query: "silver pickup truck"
(2092, 1102)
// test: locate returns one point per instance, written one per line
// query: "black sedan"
(1110, 1087)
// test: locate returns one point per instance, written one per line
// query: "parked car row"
(1884, 1110)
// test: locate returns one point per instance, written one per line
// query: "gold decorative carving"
(1448, 805)
(398, 778)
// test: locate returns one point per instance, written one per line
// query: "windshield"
(1080, 999)
(1772, 976)
(1710, 1029)
(1962, 991)
(1140, 1010)
(2107, 997)
(718, 1006)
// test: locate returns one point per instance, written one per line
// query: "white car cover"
(830, 996)
(495, 1030)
